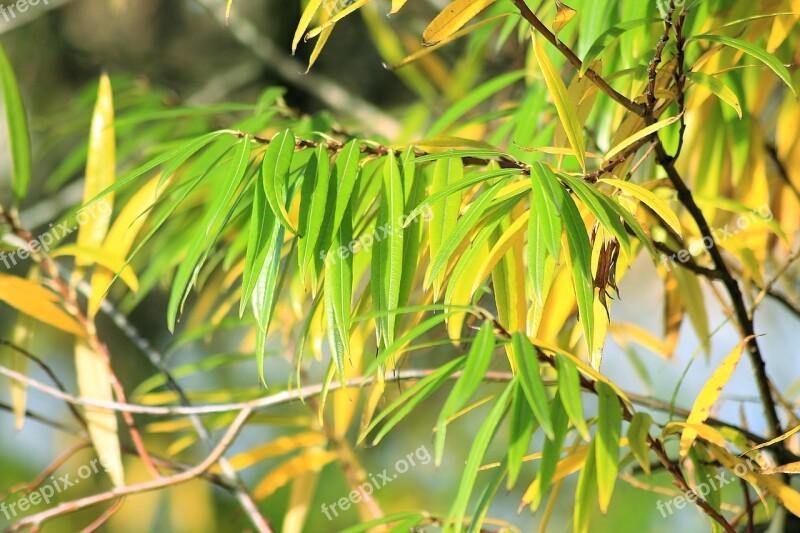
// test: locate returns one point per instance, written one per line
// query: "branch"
(69, 507)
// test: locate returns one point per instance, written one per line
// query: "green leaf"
(339, 291)
(531, 381)
(580, 254)
(313, 212)
(718, 88)
(478, 359)
(607, 37)
(262, 223)
(551, 452)
(586, 491)
(406, 402)
(546, 200)
(609, 421)
(758, 53)
(345, 171)
(477, 451)
(444, 213)
(275, 173)
(17, 123)
(637, 439)
(521, 430)
(569, 390)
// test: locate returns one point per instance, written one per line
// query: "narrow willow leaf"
(100, 169)
(452, 18)
(607, 37)
(388, 251)
(444, 213)
(265, 293)
(776, 439)
(414, 190)
(546, 200)
(17, 125)
(477, 451)
(37, 302)
(345, 171)
(23, 334)
(569, 390)
(551, 453)
(305, 20)
(275, 173)
(709, 394)
(718, 88)
(609, 422)
(521, 431)
(302, 494)
(397, 5)
(94, 383)
(328, 24)
(580, 255)
(639, 135)
(484, 501)
(638, 432)
(586, 491)
(406, 402)
(567, 111)
(659, 206)
(478, 360)
(262, 223)
(339, 291)
(213, 221)
(466, 224)
(750, 49)
(531, 382)
(313, 211)
(312, 460)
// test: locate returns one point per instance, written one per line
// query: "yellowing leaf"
(99, 169)
(279, 446)
(564, 14)
(718, 88)
(36, 301)
(639, 135)
(790, 468)
(659, 206)
(102, 258)
(452, 18)
(776, 439)
(311, 461)
(94, 383)
(300, 499)
(305, 19)
(567, 112)
(120, 238)
(709, 395)
(336, 18)
(397, 5)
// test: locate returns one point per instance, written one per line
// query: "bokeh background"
(184, 50)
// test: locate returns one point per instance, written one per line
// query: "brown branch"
(147, 486)
(593, 76)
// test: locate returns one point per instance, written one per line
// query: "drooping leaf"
(17, 125)
(637, 439)
(580, 257)
(569, 390)
(718, 88)
(531, 382)
(275, 173)
(36, 301)
(452, 18)
(609, 420)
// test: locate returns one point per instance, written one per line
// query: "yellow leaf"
(504, 243)
(704, 431)
(228, 10)
(303, 490)
(397, 5)
(567, 112)
(22, 336)
(564, 14)
(305, 20)
(120, 238)
(94, 383)
(659, 206)
(311, 461)
(336, 18)
(452, 18)
(37, 302)
(639, 135)
(709, 395)
(99, 169)
(787, 495)
(776, 439)
(102, 258)
(279, 446)
(790, 468)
